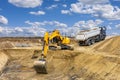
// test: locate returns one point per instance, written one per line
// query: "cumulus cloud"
(26, 3)
(3, 20)
(80, 8)
(94, 1)
(80, 25)
(33, 31)
(88, 24)
(107, 11)
(109, 27)
(21, 31)
(115, 34)
(18, 29)
(64, 5)
(1, 29)
(56, 0)
(52, 6)
(65, 12)
(37, 13)
(97, 8)
(51, 23)
(117, 26)
(69, 31)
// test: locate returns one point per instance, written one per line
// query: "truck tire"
(97, 38)
(88, 42)
(102, 37)
(92, 41)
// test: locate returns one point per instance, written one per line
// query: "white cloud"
(58, 24)
(18, 29)
(52, 6)
(21, 31)
(115, 34)
(38, 13)
(64, 5)
(35, 24)
(3, 20)
(56, 0)
(107, 11)
(1, 29)
(97, 8)
(51, 23)
(110, 23)
(88, 24)
(94, 1)
(72, 31)
(69, 31)
(117, 26)
(65, 12)
(109, 27)
(26, 3)
(80, 8)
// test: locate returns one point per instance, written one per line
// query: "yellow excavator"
(54, 37)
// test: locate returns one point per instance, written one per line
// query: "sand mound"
(111, 45)
(3, 61)
(63, 65)
(84, 63)
(5, 45)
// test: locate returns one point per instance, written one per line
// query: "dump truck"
(90, 36)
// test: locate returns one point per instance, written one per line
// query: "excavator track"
(40, 66)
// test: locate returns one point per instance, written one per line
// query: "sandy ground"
(100, 61)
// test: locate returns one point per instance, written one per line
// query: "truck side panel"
(85, 35)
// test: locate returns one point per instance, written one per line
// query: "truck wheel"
(88, 42)
(103, 37)
(92, 41)
(97, 39)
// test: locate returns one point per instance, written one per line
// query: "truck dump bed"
(85, 34)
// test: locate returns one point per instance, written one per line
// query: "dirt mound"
(84, 63)
(62, 65)
(6, 45)
(3, 61)
(111, 45)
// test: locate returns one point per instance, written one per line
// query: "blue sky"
(34, 17)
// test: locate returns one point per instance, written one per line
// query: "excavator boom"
(40, 65)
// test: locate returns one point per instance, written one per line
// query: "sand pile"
(3, 61)
(5, 45)
(84, 63)
(63, 65)
(111, 45)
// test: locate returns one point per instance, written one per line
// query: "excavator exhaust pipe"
(40, 66)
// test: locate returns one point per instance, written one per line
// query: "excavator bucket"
(40, 66)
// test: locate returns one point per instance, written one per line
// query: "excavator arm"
(45, 44)
(40, 65)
